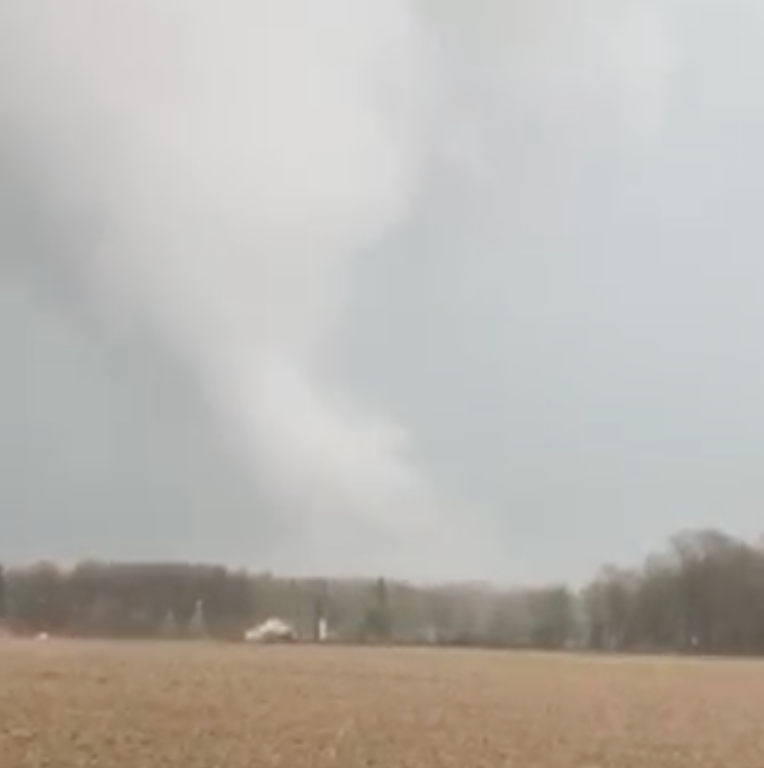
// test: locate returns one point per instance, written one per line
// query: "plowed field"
(68, 704)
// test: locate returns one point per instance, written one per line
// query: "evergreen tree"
(378, 620)
(3, 594)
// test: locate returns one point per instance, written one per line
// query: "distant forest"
(703, 594)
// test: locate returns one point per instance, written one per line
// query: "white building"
(273, 630)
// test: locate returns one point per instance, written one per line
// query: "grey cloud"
(563, 312)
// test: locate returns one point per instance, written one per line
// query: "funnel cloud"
(387, 246)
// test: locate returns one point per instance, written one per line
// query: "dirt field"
(152, 706)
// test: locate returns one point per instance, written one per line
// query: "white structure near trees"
(273, 630)
(197, 626)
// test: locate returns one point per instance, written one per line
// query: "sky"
(398, 287)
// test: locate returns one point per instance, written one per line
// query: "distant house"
(273, 630)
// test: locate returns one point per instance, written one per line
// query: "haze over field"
(436, 288)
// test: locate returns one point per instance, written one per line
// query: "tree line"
(704, 593)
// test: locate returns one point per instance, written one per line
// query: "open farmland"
(201, 706)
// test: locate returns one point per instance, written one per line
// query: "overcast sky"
(566, 316)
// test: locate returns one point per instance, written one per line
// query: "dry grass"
(153, 706)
